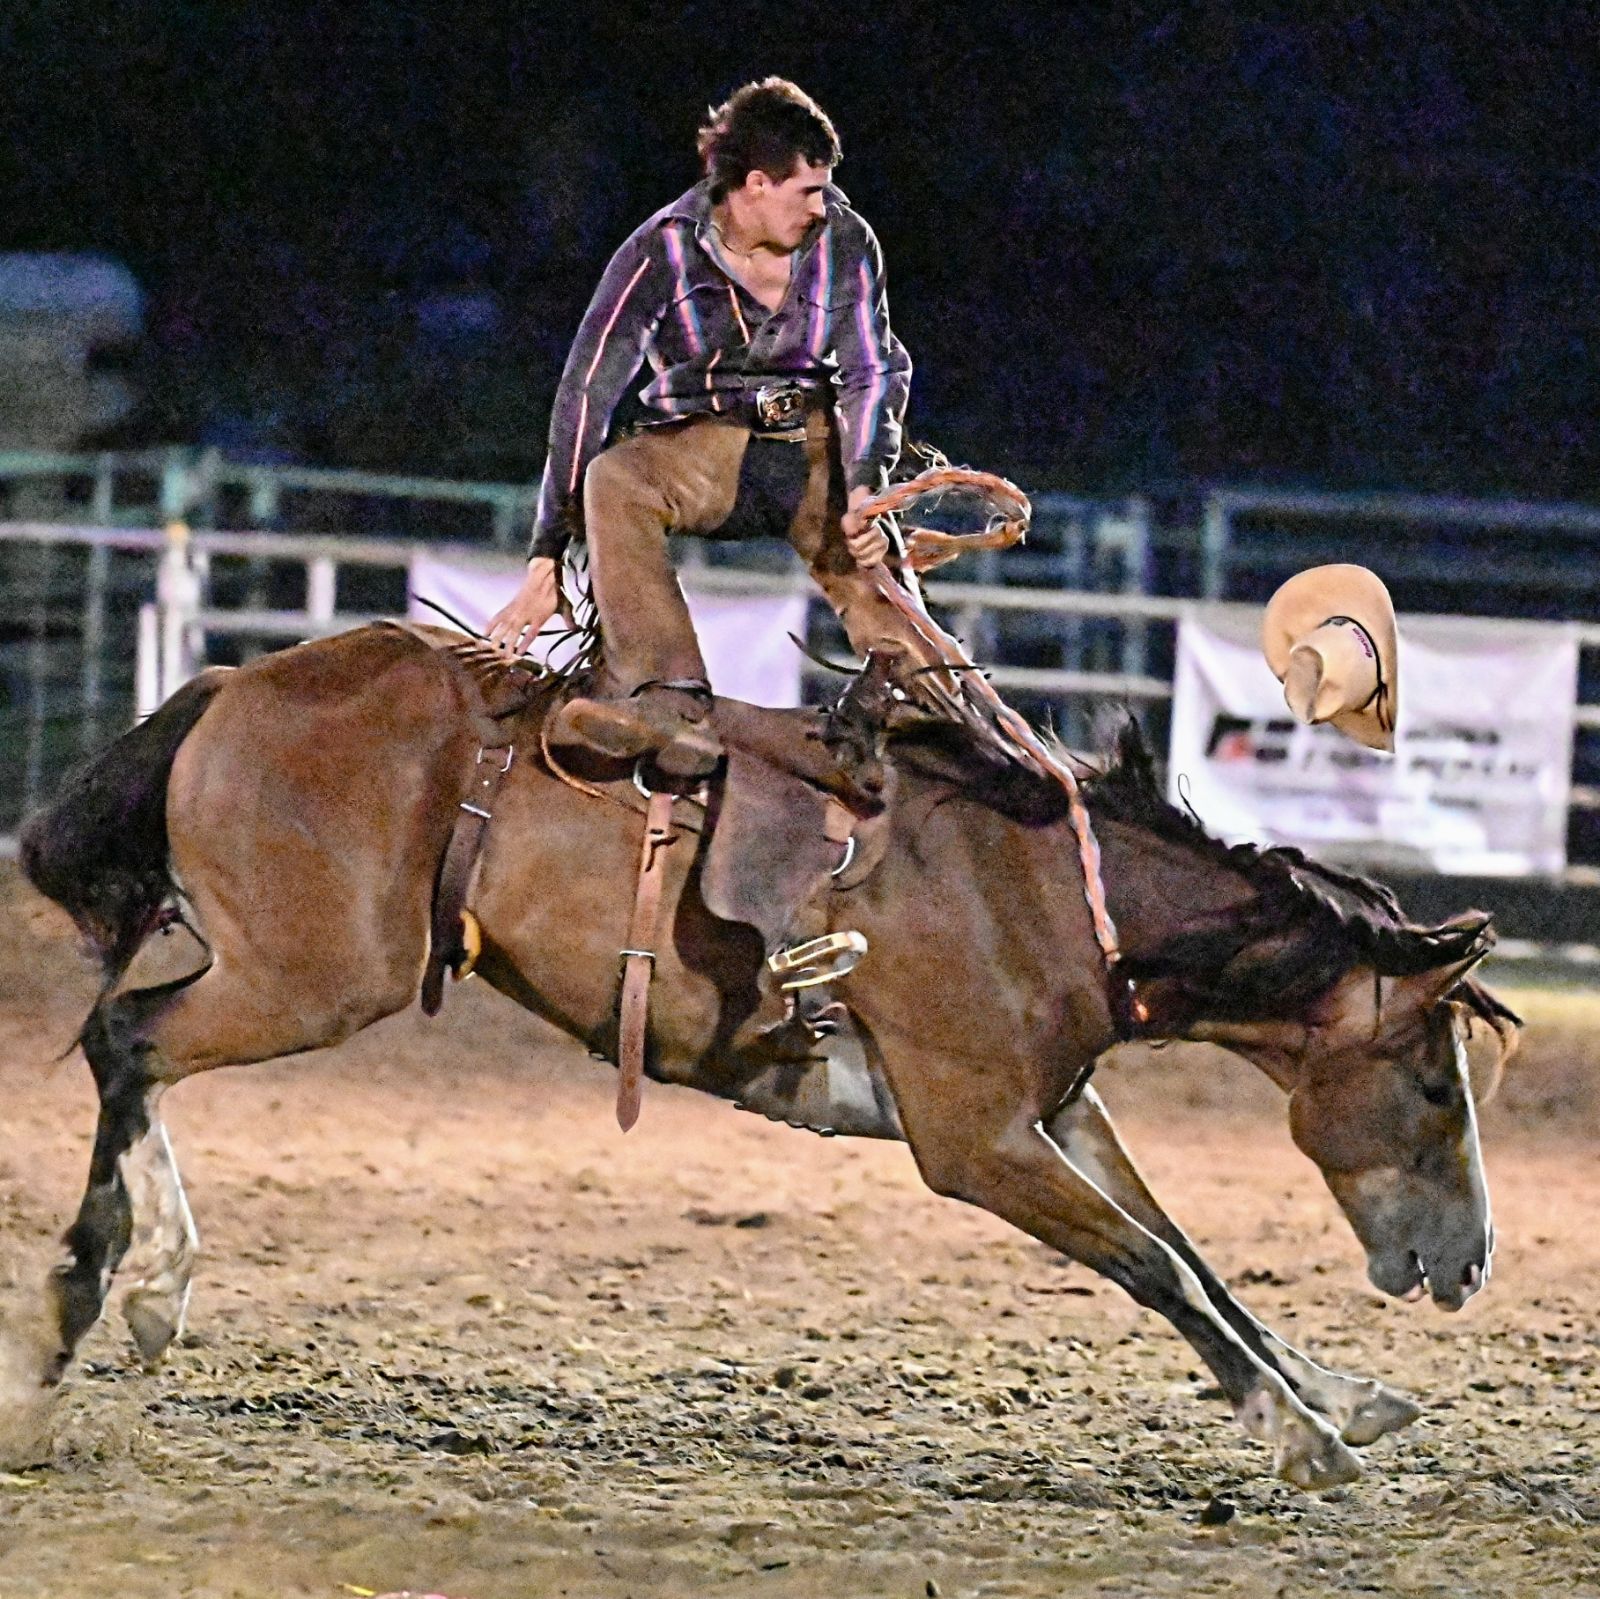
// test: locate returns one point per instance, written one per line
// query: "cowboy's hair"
(768, 127)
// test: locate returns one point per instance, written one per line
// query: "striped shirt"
(666, 300)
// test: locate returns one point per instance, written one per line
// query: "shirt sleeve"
(874, 374)
(605, 355)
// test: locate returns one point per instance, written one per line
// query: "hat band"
(1377, 660)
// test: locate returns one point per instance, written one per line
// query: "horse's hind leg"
(231, 1013)
(1362, 1409)
(130, 1164)
(35, 1359)
(165, 1241)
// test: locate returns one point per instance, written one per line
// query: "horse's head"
(1363, 1017)
(1381, 1097)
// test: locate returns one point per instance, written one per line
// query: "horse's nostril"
(1473, 1280)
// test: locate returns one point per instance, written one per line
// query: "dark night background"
(1129, 245)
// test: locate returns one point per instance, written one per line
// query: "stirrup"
(817, 960)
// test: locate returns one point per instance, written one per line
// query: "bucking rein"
(456, 939)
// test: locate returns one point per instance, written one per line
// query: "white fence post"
(321, 589)
(147, 664)
(177, 603)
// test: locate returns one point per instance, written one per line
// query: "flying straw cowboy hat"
(1329, 637)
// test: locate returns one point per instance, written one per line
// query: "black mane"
(1307, 925)
(948, 752)
(1341, 918)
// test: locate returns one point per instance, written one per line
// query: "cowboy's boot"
(670, 722)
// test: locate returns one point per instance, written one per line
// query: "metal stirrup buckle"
(817, 960)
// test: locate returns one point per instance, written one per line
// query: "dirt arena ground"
(452, 1332)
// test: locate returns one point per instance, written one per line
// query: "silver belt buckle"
(780, 404)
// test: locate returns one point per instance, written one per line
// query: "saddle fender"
(770, 853)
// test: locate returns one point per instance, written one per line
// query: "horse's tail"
(99, 849)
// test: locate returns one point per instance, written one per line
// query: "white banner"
(744, 638)
(1480, 779)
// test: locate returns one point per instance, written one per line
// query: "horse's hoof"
(1384, 1412)
(1305, 1450)
(152, 1331)
(27, 1398)
(1313, 1457)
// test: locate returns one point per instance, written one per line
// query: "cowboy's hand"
(514, 627)
(867, 542)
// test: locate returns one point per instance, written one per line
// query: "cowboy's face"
(784, 210)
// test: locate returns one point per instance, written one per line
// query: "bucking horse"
(298, 810)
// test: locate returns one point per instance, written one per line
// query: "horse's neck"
(991, 903)
(1226, 968)
(1157, 888)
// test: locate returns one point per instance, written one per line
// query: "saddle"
(799, 801)
(800, 789)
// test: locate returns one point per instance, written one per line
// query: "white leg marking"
(1362, 1409)
(164, 1244)
(1305, 1450)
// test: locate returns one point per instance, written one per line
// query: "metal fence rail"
(1467, 556)
(203, 488)
(1219, 544)
(72, 598)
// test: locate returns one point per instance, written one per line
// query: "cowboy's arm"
(603, 359)
(606, 353)
(517, 623)
(874, 377)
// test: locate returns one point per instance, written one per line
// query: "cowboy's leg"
(679, 479)
(655, 698)
(871, 622)
(1362, 1409)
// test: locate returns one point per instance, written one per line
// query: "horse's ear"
(1349, 1010)
(1419, 992)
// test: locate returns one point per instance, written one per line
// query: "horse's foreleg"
(999, 1158)
(164, 1242)
(1362, 1409)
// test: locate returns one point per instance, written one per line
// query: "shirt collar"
(694, 206)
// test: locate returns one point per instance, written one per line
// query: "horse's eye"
(1440, 1094)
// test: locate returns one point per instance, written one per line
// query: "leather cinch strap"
(639, 959)
(473, 816)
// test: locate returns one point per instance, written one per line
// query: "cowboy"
(778, 389)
